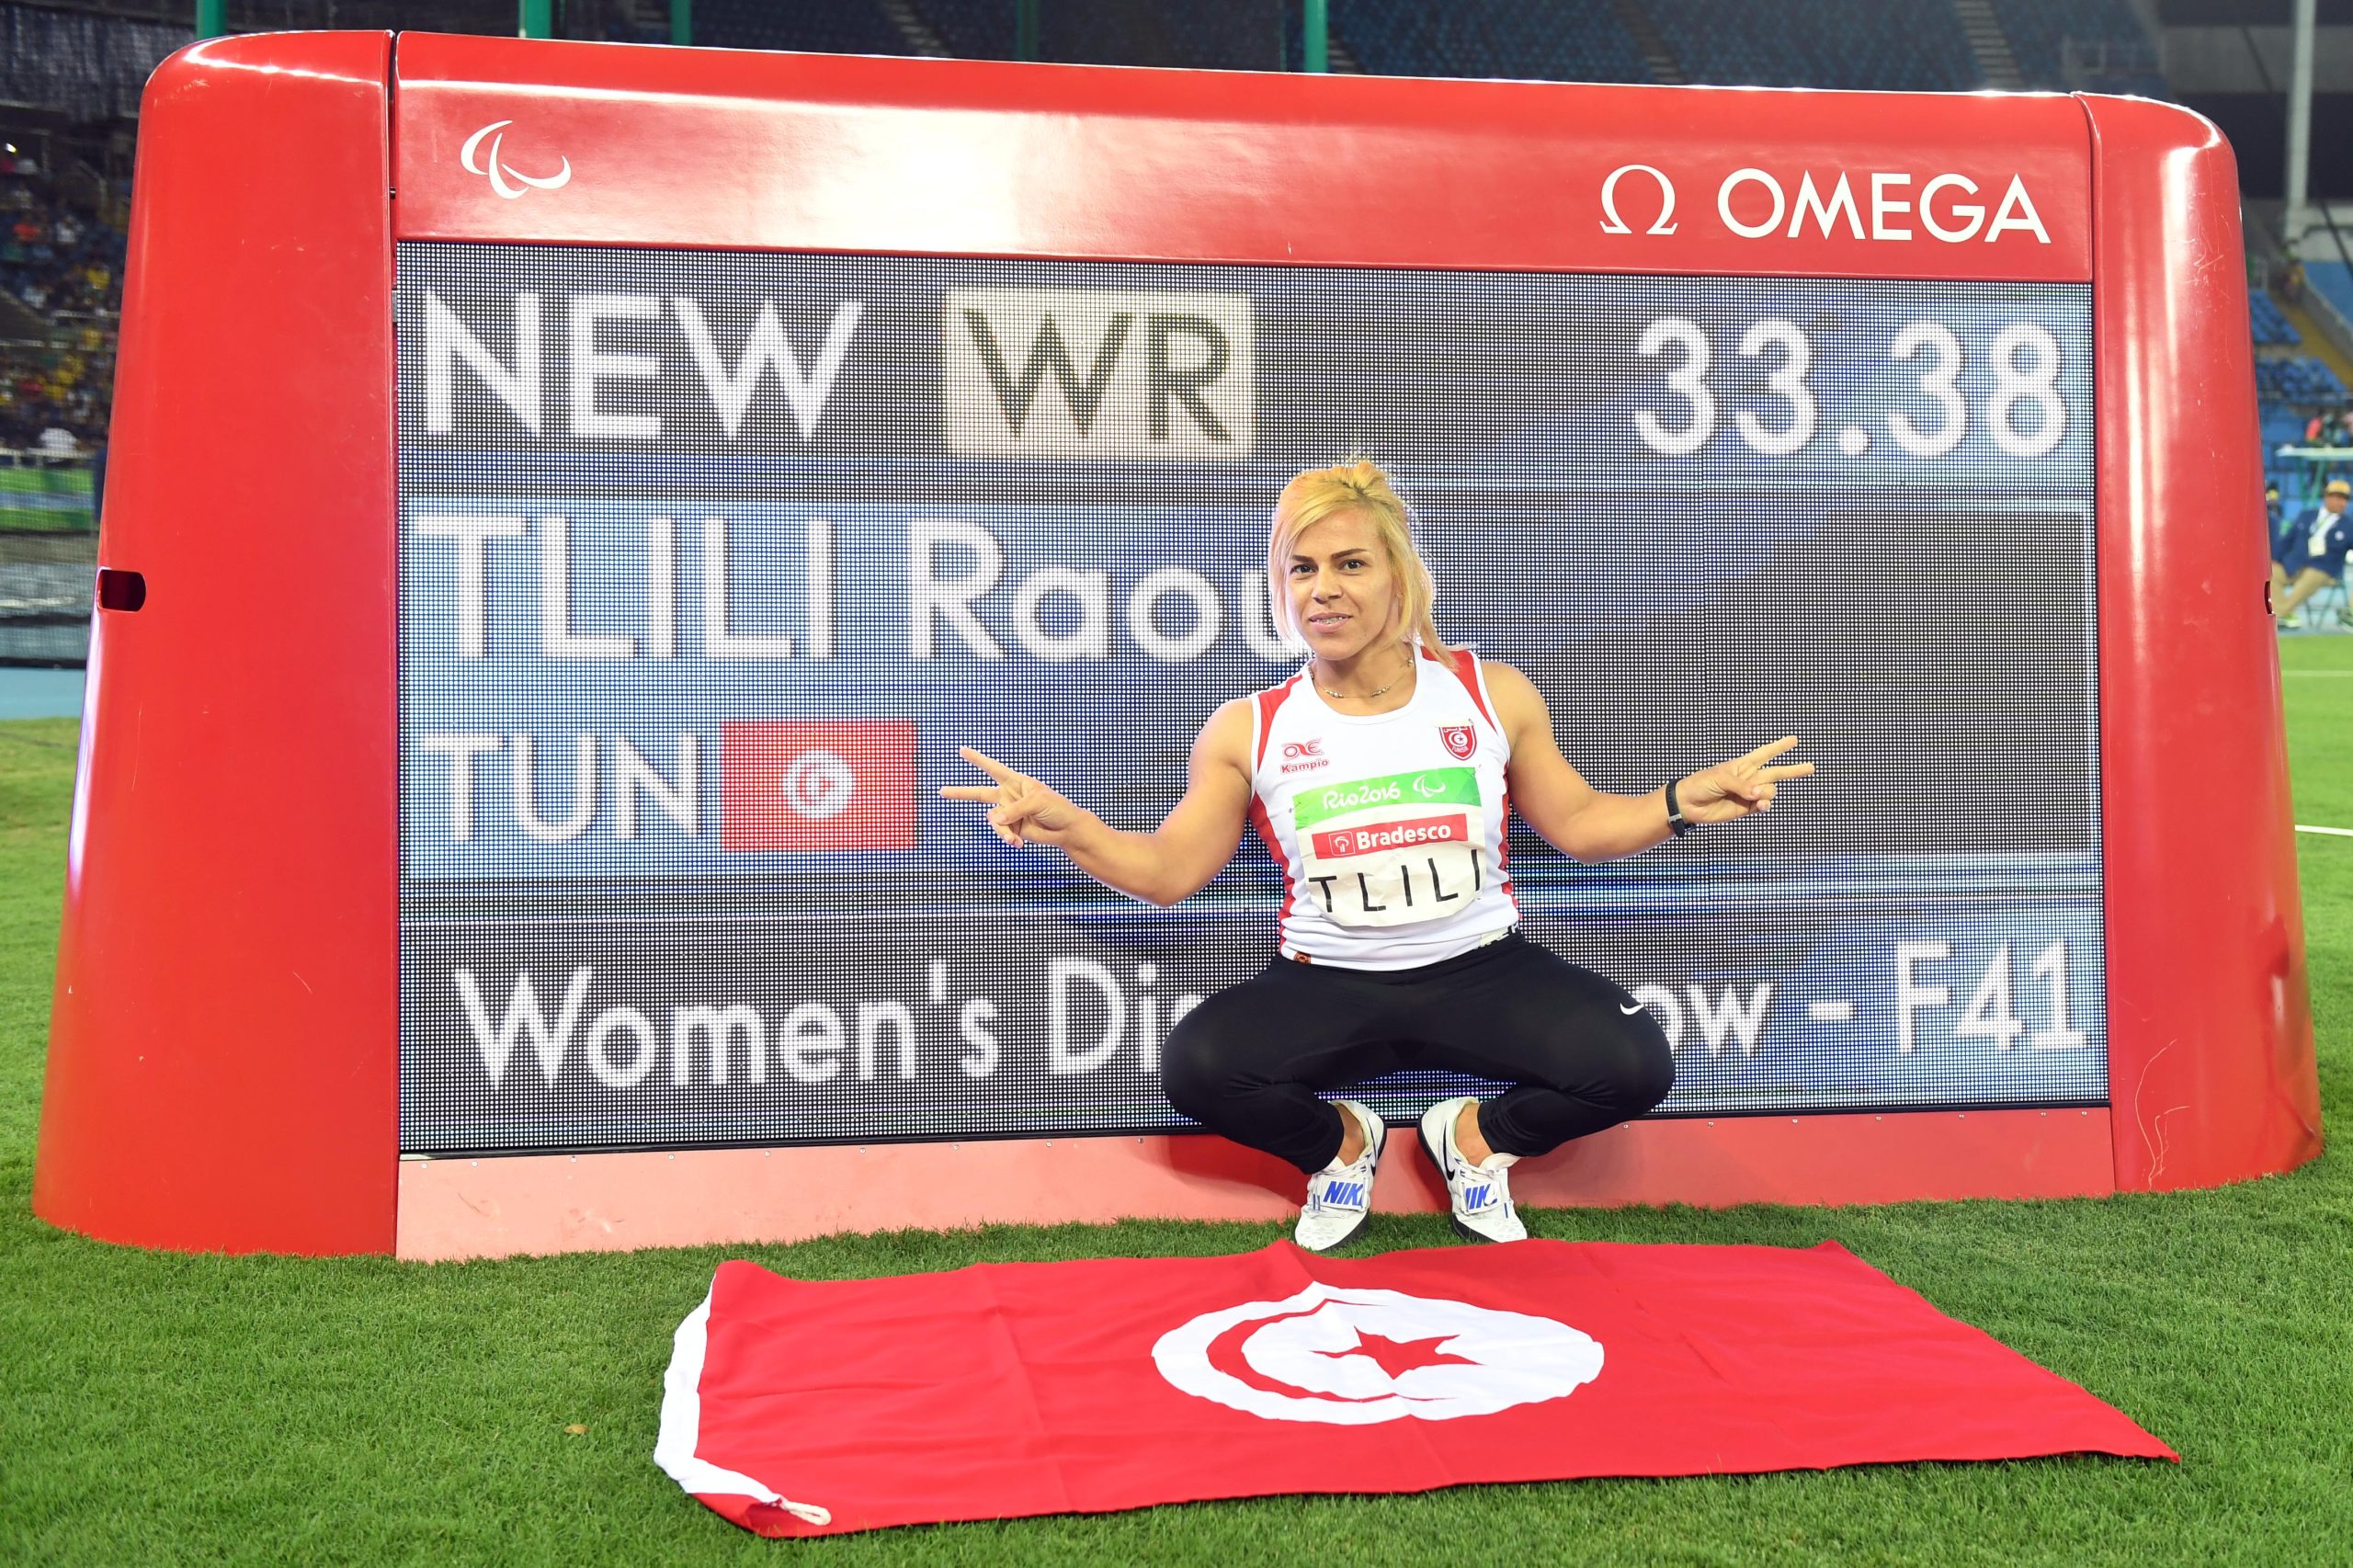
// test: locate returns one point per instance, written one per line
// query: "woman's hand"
(1021, 810)
(1730, 791)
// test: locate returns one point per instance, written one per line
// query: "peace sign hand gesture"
(1730, 791)
(1022, 810)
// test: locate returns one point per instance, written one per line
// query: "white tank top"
(1388, 827)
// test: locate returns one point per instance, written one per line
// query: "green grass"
(46, 499)
(159, 1408)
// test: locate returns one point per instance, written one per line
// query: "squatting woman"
(1380, 777)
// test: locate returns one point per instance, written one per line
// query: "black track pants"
(1247, 1062)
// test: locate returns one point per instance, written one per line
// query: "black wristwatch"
(1677, 822)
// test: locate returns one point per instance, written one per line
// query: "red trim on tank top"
(1503, 852)
(1268, 701)
(1466, 670)
(1258, 819)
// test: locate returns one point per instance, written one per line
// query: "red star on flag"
(1396, 1355)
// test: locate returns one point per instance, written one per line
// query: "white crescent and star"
(1355, 1357)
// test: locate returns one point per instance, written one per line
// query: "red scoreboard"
(570, 502)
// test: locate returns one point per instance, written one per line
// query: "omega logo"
(1613, 224)
(1754, 204)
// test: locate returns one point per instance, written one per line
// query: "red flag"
(813, 1408)
(817, 784)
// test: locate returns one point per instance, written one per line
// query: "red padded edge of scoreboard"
(2210, 1068)
(549, 1203)
(720, 148)
(221, 1065)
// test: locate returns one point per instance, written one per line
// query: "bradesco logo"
(1346, 841)
(1860, 204)
(1431, 787)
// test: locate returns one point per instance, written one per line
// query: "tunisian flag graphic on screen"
(817, 784)
(795, 1407)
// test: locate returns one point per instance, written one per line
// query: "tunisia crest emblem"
(1461, 741)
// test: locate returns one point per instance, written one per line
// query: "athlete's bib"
(1389, 827)
(1394, 850)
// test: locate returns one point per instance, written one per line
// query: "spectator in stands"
(2314, 555)
(2326, 429)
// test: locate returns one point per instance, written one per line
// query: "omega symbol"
(1613, 224)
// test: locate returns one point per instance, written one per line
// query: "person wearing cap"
(2312, 555)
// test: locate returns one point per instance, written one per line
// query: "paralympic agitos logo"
(1877, 204)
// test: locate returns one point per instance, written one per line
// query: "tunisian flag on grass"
(796, 1407)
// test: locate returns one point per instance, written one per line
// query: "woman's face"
(1342, 592)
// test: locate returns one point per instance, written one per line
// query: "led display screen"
(709, 561)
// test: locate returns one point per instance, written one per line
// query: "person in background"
(2312, 555)
(2275, 512)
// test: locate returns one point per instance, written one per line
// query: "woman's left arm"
(1588, 824)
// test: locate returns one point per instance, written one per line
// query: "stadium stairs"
(1989, 44)
(1656, 53)
(2318, 344)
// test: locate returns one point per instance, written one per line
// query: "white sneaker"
(1481, 1193)
(1339, 1197)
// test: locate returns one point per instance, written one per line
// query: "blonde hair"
(1357, 485)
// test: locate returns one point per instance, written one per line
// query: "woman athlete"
(1379, 779)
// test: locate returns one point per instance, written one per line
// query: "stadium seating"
(1202, 34)
(64, 264)
(2333, 280)
(972, 29)
(2039, 32)
(1572, 40)
(1894, 45)
(845, 26)
(2272, 328)
(2298, 380)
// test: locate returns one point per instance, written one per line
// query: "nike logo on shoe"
(1630, 1012)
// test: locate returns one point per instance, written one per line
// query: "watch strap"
(1676, 822)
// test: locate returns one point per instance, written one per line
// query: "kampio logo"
(1460, 739)
(1098, 373)
(792, 784)
(1860, 204)
(1304, 756)
(508, 183)
(1349, 1357)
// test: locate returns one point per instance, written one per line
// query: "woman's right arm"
(1198, 837)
